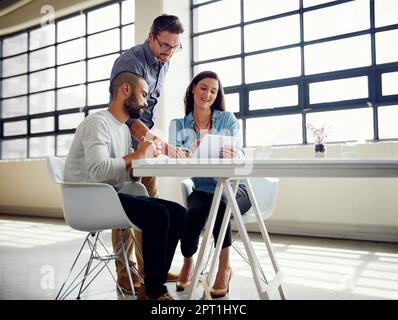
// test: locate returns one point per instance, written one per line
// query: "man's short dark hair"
(168, 23)
(131, 78)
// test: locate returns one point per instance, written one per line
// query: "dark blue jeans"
(199, 203)
(162, 223)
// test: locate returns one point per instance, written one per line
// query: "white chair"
(265, 190)
(93, 208)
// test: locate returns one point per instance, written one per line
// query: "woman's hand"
(174, 152)
(195, 145)
(229, 152)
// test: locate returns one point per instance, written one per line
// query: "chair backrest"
(265, 190)
(89, 206)
(56, 167)
(186, 190)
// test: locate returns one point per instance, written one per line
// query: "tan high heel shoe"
(181, 285)
(222, 292)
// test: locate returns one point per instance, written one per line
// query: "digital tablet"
(211, 145)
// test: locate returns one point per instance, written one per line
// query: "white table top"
(348, 168)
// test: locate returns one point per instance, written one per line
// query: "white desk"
(227, 169)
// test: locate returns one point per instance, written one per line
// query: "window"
(232, 102)
(340, 124)
(42, 125)
(386, 12)
(14, 107)
(53, 76)
(285, 63)
(280, 130)
(261, 67)
(218, 44)
(388, 116)
(337, 55)
(335, 20)
(41, 102)
(70, 121)
(385, 51)
(229, 71)
(389, 83)
(273, 33)
(339, 90)
(257, 9)
(71, 97)
(273, 98)
(63, 144)
(212, 13)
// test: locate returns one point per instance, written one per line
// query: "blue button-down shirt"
(140, 60)
(182, 134)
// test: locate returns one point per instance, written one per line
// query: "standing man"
(151, 61)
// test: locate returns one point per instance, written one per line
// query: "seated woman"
(204, 114)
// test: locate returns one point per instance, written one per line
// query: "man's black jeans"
(162, 223)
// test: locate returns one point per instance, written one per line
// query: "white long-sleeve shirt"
(97, 149)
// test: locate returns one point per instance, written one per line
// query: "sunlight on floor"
(21, 234)
(373, 274)
(326, 269)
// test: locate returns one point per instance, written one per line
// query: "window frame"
(373, 72)
(56, 113)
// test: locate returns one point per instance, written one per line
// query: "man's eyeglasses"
(166, 47)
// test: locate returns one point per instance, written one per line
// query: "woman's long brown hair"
(219, 103)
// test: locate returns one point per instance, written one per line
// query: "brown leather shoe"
(125, 285)
(221, 292)
(172, 277)
(142, 296)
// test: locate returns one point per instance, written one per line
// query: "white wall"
(171, 104)
(26, 189)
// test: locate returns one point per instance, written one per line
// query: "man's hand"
(147, 149)
(158, 143)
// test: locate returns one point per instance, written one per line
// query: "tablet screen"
(211, 145)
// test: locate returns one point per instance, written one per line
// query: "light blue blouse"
(182, 135)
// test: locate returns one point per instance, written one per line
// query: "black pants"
(198, 211)
(162, 223)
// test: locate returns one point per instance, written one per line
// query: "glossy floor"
(36, 255)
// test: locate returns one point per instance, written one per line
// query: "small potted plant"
(319, 135)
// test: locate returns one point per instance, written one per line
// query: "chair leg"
(59, 294)
(89, 263)
(244, 257)
(126, 262)
(88, 268)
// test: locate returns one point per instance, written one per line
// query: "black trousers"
(162, 223)
(199, 203)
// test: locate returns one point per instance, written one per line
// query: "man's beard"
(133, 109)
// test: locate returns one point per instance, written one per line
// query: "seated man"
(101, 152)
